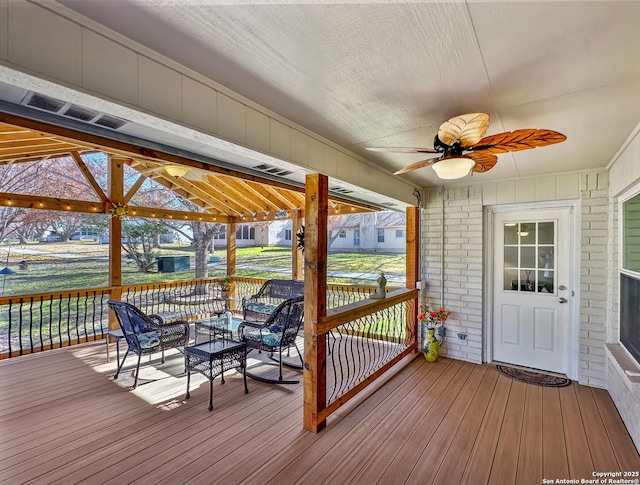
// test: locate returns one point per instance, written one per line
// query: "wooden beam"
(89, 176)
(180, 186)
(238, 202)
(412, 246)
(412, 262)
(290, 197)
(315, 300)
(231, 248)
(116, 195)
(242, 187)
(351, 312)
(297, 257)
(155, 213)
(42, 153)
(134, 188)
(42, 143)
(69, 205)
(51, 203)
(272, 195)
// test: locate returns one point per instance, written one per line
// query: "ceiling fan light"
(453, 168)
(176, 170)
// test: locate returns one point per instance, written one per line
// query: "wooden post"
(315, 299)
(231, 259)
(412, 265)
(116, 196)
(296, 254)
(231, 248)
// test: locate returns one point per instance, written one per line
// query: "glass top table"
(217, 326)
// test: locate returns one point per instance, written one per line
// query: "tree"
(335, 225)
(16, 178)
(66, 224)
(49, 178)
(137, 242)
(200, 235)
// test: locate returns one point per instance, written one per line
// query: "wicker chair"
(146, 334)
(258, 307)
(276, 334)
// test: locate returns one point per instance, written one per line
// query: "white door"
(531, 278)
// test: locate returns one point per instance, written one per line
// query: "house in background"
(247, 235)
(367, 232)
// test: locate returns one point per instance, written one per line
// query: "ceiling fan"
(462, 147)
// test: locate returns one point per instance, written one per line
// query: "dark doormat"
(531, 377)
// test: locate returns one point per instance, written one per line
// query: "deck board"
(530, 456)
(64, 420)
(580, 462)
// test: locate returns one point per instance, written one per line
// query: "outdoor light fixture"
(453, 168)
(176, 170)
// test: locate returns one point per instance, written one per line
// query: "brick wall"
(594, 274)
(463, 272)
(464, 253)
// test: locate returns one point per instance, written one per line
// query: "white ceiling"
(388, 74)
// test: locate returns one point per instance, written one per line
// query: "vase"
(431, 349)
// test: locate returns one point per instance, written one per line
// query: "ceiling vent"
(79, 113)
(272, 170)
(70, 110)
(340, 190)
(110, 122)
(44, 102)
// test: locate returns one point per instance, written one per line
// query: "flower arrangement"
(432, 318)
(224, 283)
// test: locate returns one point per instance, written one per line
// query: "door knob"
(562, 300)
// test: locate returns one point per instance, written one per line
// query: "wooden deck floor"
(64, 420)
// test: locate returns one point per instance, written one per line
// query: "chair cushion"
(259, 307)
(149, 340)
(269, 338)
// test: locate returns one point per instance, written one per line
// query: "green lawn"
(55, 268)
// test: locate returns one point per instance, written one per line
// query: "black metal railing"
(40, 322)
(359, 348)
(33, 323)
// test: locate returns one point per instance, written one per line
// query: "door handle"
(562, 300)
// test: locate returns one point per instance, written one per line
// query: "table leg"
(188, 379)
(244, 372)
(210, 394)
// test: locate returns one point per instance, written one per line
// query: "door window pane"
(545, 233)
(510, 279)
(511, 233)
(546, 281)
(528, 233)
(527, 280)
(510, 257)
(529, 257)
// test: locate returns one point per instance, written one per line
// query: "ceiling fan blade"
(417, 165)
(467, 129)
(514, 141)
(484, 161)
(401, 150)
